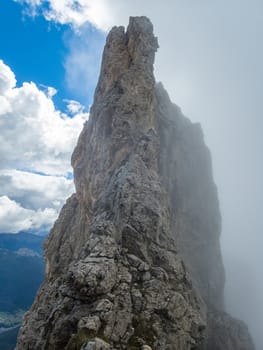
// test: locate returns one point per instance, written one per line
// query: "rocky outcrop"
(133, 261)
(225, 332)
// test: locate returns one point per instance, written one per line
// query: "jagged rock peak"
(134, 261)
(135, 47)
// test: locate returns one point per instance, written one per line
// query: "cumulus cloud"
(74, 107)
(74, 12)
(35, 191)
(36, 143)
(14, 218)
(7, 79)
(34, 135)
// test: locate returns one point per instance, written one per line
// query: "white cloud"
(7, 78)
(14, 218)
(34, 135)
(51, 91)
(36, 143)
(73, 106)
(74, 12)
(4, 105)
(34, 190)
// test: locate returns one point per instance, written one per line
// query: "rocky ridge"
(133, 261)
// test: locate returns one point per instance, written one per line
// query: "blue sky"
(32, 47)
(210, 61)
(36, 50)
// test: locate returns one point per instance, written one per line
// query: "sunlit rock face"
(133, 261)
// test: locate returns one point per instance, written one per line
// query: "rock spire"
(133, 261)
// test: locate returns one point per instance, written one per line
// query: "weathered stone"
(93, 276)
(146, 347)
(138, 263)
(96, 344)
(91, 323)
(133, 261)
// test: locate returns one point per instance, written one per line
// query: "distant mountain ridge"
(21, 273)
(20, 276)
(14, 242)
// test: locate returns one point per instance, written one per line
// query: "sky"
(210, 61)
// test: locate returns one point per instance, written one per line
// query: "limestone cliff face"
(133, 261)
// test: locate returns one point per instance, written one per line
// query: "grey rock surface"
(133, 261)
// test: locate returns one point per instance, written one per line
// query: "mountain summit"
(134, 261)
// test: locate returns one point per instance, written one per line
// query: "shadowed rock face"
(133, 261)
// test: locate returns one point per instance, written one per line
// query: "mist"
(210, 61)
(217, 81)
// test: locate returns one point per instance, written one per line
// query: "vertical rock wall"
(133, 261)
